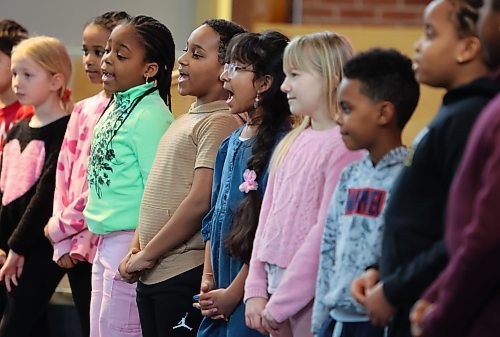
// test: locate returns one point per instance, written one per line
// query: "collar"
(125, 98)
(393, 157)
(209, 107)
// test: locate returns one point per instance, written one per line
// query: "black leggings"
(166, 308)
(81, 287)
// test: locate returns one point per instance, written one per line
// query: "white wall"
(65, 19)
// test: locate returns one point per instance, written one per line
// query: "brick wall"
(364, 12)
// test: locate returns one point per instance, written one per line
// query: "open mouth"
(183, 76)
(230, 96)
(106, 76)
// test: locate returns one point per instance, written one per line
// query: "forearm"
(207, 265)
(135, 241)
(237, 287)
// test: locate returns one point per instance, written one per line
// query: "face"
(435, 60)
(241, 87)
(5, 74)
(199, 67)
(30, 82)
(93, 44)
(123, 65)
(304, 91)
(357, 116)
(489, 33)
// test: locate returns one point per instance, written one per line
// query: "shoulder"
(216, 123)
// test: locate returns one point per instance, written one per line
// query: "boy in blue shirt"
(377, 97)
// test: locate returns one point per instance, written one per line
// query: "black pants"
(26, 307)
(81, 287)
(166, 308)
(400, 324)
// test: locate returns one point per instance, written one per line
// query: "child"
(466, 295)
(177, 196)
(378, 95)
(74, 245)
(136, 67)
(304, 172)
(253, 78)
(413, 251)
(11, 33)
(41, 70)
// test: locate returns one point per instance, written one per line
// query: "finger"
(197, 306)
(14, 279)
(206, 304)
(19, 270)
(7, 283)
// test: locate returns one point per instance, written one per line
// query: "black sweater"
(413, 252)
(27, 198)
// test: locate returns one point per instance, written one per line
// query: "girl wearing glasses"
(252, 78)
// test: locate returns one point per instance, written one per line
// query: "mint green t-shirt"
(121, 158)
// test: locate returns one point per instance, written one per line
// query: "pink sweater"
(67, 226)
(292, 218)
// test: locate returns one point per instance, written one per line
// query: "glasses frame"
(232, 68)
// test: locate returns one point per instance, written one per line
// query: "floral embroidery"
(249, 184)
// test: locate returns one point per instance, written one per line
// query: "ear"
(151, 69)
(386, 114)
(56, 82)
(469, 49)
(264, 83)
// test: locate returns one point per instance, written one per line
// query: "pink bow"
(249, 184)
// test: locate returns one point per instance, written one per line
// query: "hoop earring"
(147, 78)
(256, 101)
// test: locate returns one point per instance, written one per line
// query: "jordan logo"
(182, 324)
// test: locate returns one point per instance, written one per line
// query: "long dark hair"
(264, 51)
(160, 48)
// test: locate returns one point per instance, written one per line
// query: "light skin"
(35, 86)
(443, 58)
(93, 44)
(305, 93)
(123, 64)
(487, 26)
(7, 95)
(199, 67)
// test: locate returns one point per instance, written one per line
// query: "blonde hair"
(323, 53)
(50, 54)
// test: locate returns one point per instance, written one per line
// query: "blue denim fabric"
(230, 165)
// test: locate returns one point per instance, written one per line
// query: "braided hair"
(160, 48)
(109, 20)
(226, 30)
(264, 51)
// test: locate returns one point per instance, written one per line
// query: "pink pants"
(113, 309)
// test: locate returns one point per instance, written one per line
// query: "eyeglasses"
(232, 68)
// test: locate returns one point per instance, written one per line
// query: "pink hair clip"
(249, 183)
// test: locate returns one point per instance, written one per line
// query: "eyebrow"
(124, 46)
(197, 46)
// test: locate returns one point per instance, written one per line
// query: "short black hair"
(386, 75)
(110, 20)
(11, 33)
(226, 30)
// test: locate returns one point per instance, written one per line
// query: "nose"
(15, 82)
(224, 77)
(182, 59)
(285, 87)
(416, 45)
(339, 117)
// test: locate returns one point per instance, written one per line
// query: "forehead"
(95, 34)
(205, 37)
(126, 34)
(23, 62)
(349, 87)
(439, 12)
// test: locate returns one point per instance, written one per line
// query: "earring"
(256, 101)
(460, 60)
(147, 78)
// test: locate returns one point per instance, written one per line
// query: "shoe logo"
(182, 324)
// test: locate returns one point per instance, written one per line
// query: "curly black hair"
(11, 33)
(466, 16)
(386, 75)
(226, 30)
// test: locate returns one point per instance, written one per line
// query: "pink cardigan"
(67, 226)
(292, 219)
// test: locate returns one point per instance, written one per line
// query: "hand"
(12, 269)
(253, 314)
(218, 302)
(139, 262)
(3, 257)
(66, 261)
(361, 285)
(274, 328)
(47, 234)
(419, 312)
(207, 284)
(122, 268)
(379, 309)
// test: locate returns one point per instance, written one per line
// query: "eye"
(120, 57)
(197, 56)
(345, 108)
(85, 51)
(106, 51)
(99, 53)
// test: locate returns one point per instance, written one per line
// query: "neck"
(469, 74)
(217, 95)
(7, 98)
(47, 112)
(383, 146)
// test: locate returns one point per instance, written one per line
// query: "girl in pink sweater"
(280, 287)
(74, 245)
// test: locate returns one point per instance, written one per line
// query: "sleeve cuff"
(61, 248)
(55, 232)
